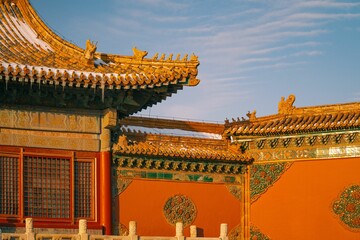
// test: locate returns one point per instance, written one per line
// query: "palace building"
(71, 149)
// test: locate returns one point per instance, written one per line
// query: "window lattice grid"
(9, 185)
(47, 184)
(84, 200)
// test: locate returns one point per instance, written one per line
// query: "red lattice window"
(84, 189)
(51, 188)
(9, 185)
(47, 187)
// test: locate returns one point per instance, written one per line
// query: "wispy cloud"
(327, 4)
(173, 5)
(239, 47)
(234, 15)
(273, 66)
(308, 53)
(323, 16)
(284, 47)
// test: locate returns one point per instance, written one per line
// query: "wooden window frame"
(21, 153)
(93, 187)
(69, 191)
(14, 216)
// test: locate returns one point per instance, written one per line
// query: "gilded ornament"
(9, 70)
(325, 139)
(90, 50)
(179, 208)
(174, 165)
(350, 138)
(256, 234)
(263, 176)
(299, 141)
(311, 140)
(170, 57)
(120, 229)
(251, 115)
(17, 70)
(347, 207)
(235, 190)
(286, 106)
(121, 144)
(274, 142)
(338, 138)
(194, 58)
(139, 54)
(120, 184)
(155, 57)
(235, 233)
(260, 144)
(194, 82)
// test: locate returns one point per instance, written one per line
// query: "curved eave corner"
(32, 53)
(45, 53)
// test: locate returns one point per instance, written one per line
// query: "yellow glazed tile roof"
(163, 138)
(291, 120)
(180, 147)
(30, 51)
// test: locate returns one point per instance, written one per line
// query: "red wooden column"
(105, 191)
(109, 121)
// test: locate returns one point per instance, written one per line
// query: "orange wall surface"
(143, 202)
(299, 204)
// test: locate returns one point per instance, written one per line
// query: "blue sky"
(251, 52)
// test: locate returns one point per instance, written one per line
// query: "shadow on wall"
(200, 232)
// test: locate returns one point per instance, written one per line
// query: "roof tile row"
(177, 150)
(294, 123)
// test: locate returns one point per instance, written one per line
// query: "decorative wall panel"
(255, 234)
(119, 185)
(179, 208)
(119, 172)
(304, 153)
(347, 207)
(235, 190)
(119, 229)
(235, 233)
(263, 176)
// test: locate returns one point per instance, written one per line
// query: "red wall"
(143, 202)
(299, 204)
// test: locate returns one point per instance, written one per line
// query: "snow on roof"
(22, 30)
